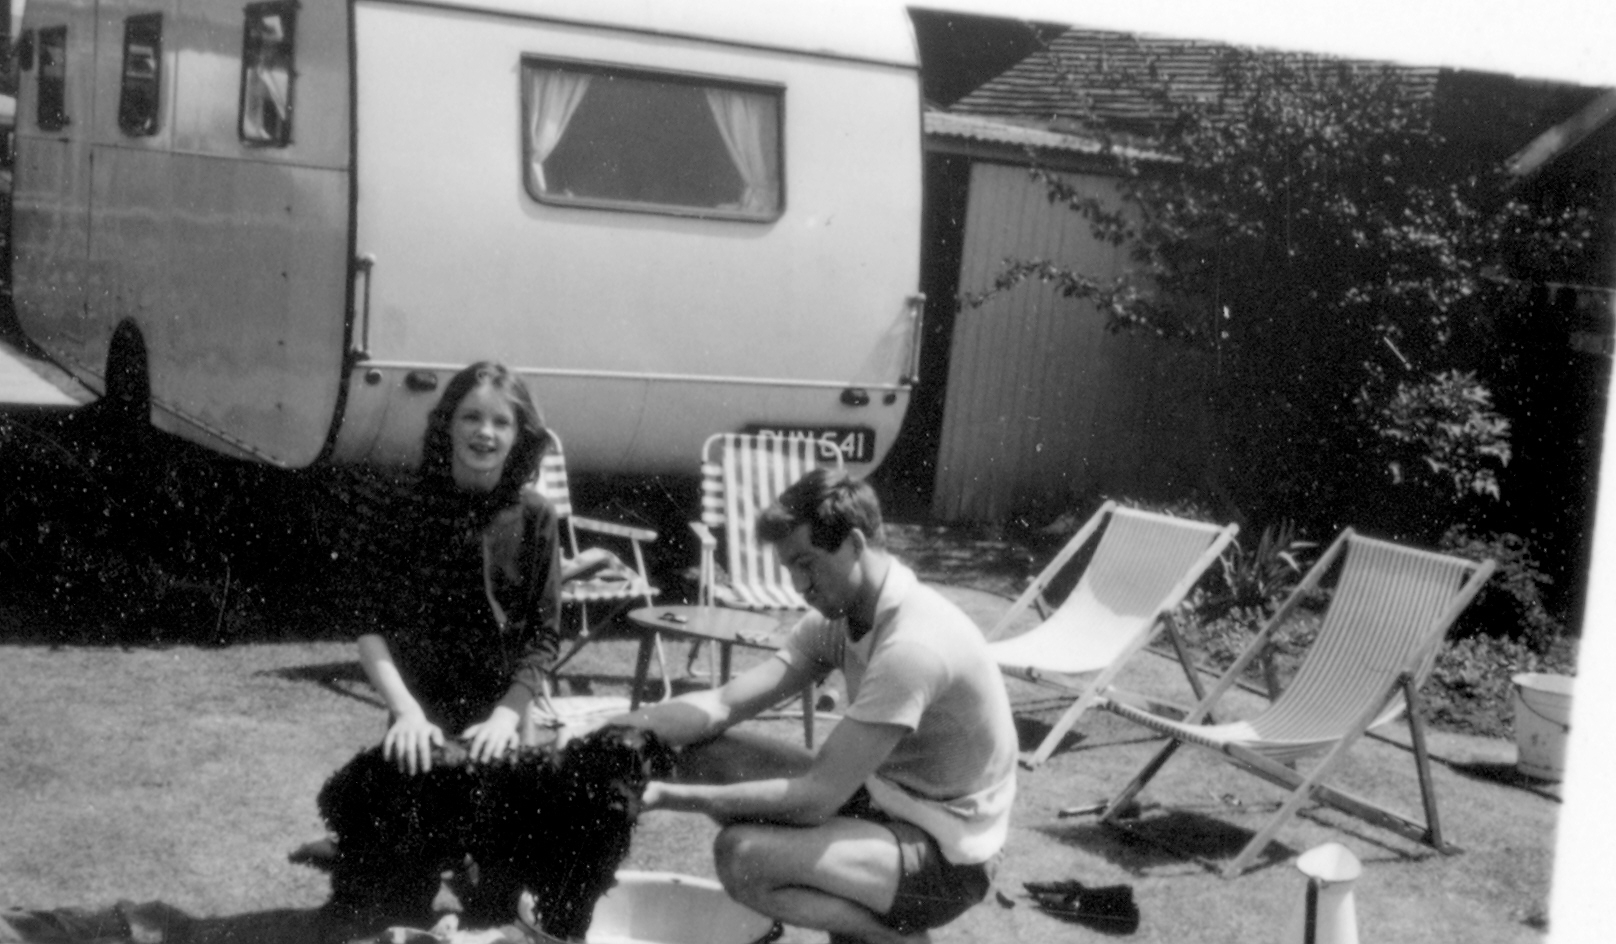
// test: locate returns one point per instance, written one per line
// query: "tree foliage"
(1308, 226)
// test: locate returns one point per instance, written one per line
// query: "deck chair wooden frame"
(742, 474)
(1142, 566)
(593, 596)
(1389, 611)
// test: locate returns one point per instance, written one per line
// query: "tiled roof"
(1065, 85)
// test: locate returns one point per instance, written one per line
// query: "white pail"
(1542, 706)
(666, 908)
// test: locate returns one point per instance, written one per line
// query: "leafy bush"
(1307, 222)
(1442, 433)
(124, 535)
(1510, 605)
(1247, 590)
(1254, 583)
(1470, 686)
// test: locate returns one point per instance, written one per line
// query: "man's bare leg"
(836, 877)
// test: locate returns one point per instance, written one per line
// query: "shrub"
(1470, 683)
(1255, 583)
(1248, 589)
(123, 535)
(1510, 605)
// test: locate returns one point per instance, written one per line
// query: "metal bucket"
(667, 908)
(1542, 706)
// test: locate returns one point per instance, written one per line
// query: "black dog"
(554, 823)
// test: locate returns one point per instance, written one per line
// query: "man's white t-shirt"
(925, 666)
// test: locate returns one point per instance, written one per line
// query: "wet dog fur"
(555, 823)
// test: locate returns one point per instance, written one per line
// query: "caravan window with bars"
(658, 142)
(142, 84)
(52, 112)
(266, 73)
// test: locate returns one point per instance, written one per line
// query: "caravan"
(281, 225)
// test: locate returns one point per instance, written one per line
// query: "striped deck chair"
(597, 585)
(740, 476)
(1139, 570)
(1388, 612)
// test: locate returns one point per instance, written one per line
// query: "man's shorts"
(932, 891)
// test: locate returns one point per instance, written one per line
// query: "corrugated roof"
(998, 130)
(1015, 133)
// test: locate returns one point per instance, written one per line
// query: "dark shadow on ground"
(1188, 836)
(341, 678)
(1167, 838)
(1497, 772)
(1506, 775)
(1031, 729)
(348, 680)
(155, 922)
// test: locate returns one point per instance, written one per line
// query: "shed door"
(1045, 408)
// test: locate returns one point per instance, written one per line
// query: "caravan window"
(617, 139)
(142, 74)
(266, 73)
(52, 114)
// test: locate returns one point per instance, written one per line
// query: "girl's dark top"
(420, 564)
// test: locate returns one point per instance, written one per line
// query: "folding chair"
(1388, 612)
(741, 475)
(1142, 566)
(597, 585)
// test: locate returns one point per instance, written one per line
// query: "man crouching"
(895, 825)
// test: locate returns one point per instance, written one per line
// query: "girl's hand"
(410, 740)
(492, 738)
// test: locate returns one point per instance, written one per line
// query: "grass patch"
(186, 774)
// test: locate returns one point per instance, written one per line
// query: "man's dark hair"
(831, 503)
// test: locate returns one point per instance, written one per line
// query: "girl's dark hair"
(531, 437)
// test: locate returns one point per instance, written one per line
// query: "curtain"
(749, 125)
(552, 98)
(265, 113)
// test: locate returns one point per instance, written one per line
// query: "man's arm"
(852, 752)
(697, 716)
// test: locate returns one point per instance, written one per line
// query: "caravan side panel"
(231, 257)
(641, 331)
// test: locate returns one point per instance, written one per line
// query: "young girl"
(463, 624)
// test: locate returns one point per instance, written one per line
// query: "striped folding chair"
(1390, 607)
(597, 584)
(1139, 568)
(741, 475)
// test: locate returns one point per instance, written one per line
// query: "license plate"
(856, 443)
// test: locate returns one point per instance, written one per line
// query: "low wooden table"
(725, 628)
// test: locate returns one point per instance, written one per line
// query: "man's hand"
(410, 740)
(490, 739)
(654, 796)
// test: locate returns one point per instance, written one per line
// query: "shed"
(1043, 405)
